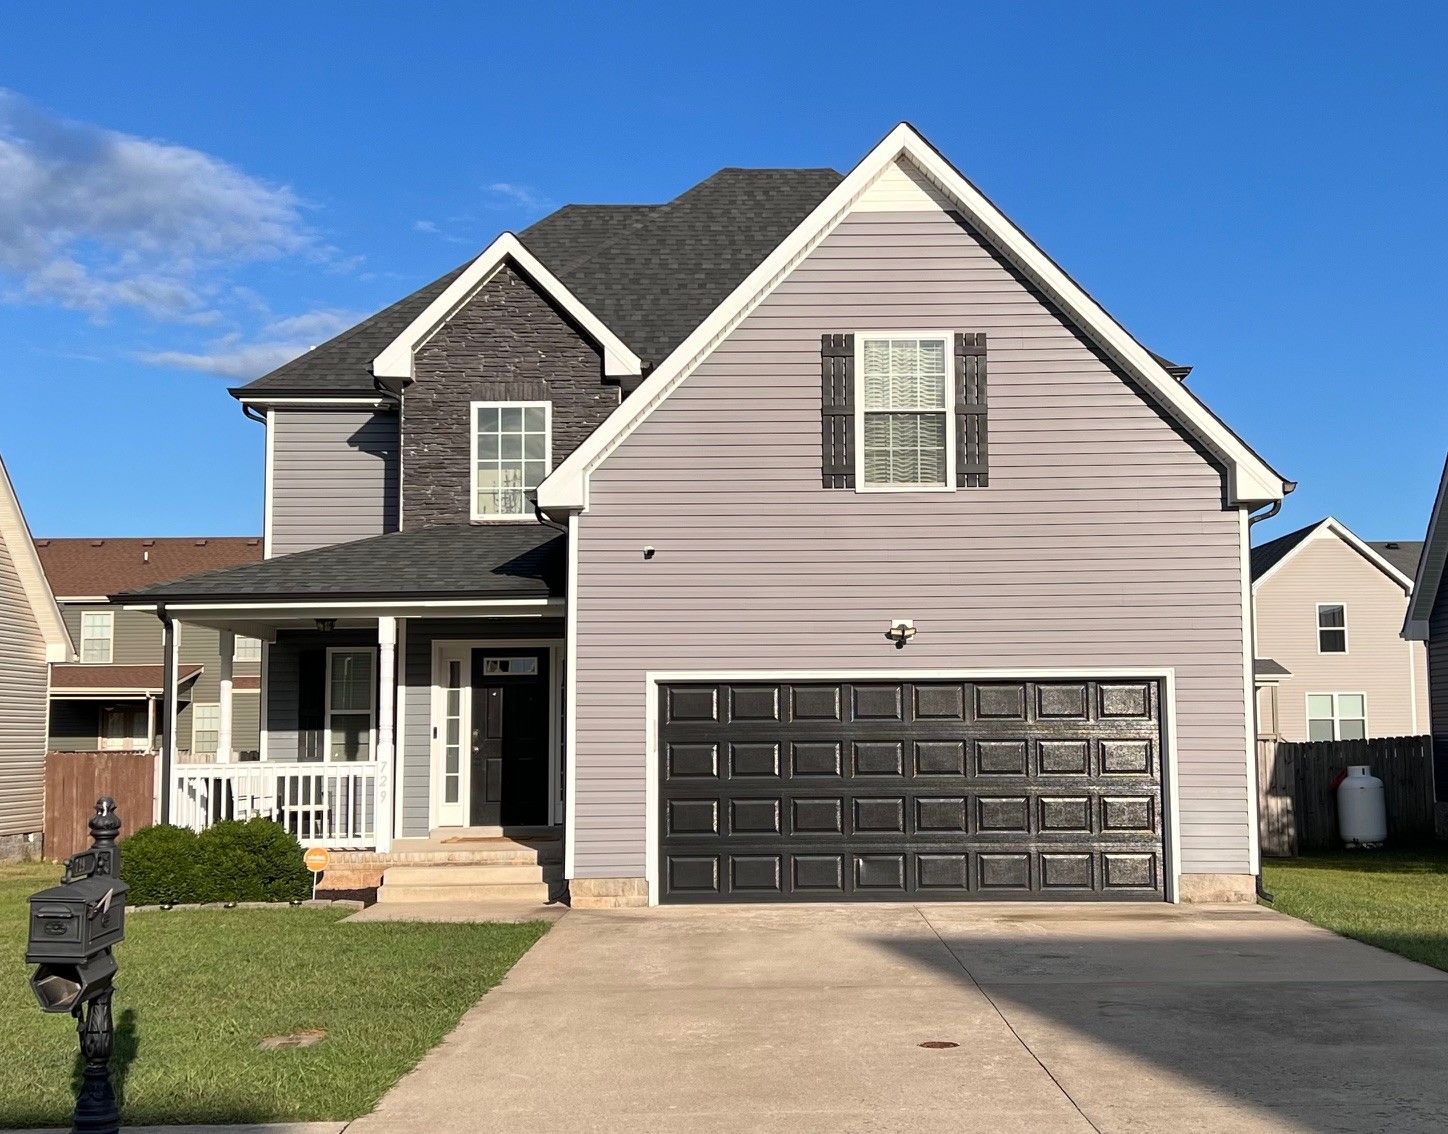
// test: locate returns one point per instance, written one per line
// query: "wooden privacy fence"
(1298, 804)
(75, 780)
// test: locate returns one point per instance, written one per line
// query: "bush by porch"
(199, 990)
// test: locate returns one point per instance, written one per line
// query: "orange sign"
(316, 859)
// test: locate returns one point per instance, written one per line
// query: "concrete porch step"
(490, 892)
(470, 874)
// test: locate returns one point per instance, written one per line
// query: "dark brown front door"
(510, 738)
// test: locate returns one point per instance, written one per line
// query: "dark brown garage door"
(928, 790)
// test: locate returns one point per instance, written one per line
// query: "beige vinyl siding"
(334, 477)
(1101, 541)
(24, 676)
(201, 645)
(1392, 673)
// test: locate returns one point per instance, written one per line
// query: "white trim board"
(1329, 525)
(1171, 841)
(395, 361)
(1430, 566)
(15, 534)
(1250, 479)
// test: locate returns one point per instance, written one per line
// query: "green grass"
(199, 989)
(1395, 899)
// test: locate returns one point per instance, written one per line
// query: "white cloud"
(424, 226)
(278, 342)
(511, 195)
(95, 220)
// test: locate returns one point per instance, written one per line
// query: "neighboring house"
(1427, 622)
(1329, 610)
(32, 636)
(108, 699)
(872, 559)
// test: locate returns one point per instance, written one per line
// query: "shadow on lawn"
(128, 1043)
(1429, 858)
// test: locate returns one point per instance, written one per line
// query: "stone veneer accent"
(506, 342)
(20, 848)
(607, 893)
(1217, 888)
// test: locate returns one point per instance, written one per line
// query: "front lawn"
(1395, 899)
(198, 990)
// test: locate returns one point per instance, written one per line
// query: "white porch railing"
(323, 805)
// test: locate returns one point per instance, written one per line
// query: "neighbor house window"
(1337, 716)
(247, 649)
(97, 632)
(205, 728)
(510, 457)
(905, 419)
(1331, 628)
(349, 704)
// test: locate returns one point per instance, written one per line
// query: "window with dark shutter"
(837, 410)
(971, 463)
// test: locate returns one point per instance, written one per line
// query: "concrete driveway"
(1063, 1018)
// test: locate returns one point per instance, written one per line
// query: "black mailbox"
(74, 921)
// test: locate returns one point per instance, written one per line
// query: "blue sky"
(192, 193)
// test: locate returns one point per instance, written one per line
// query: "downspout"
(1273, 509)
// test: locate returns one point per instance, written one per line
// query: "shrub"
(252, 861)
(159, 865)
(232, 861)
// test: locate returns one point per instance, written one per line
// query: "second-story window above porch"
(511, 456)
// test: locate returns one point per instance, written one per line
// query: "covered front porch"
(395, 716)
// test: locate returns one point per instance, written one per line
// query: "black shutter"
(837, 409)
(311, 704)
(971, 465)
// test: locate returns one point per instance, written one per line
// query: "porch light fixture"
(326, 625)
(901, 632)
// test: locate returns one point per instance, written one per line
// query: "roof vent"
(200, 543)
(42, 543)
(98, 543)
(1392, 546)
(148, 543)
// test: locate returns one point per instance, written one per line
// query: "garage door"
(927, 791)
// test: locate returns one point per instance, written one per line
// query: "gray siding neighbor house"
(808, 537)
(1427, 621)
(32, 636)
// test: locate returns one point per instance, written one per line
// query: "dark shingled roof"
(1401, 553)
(650, 272)
(1267, 555)
(451, 561)
(1269, 667)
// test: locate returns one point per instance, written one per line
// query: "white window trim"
(951, 394)
(236, 654)
(1346, 645)
(110, 637)
(195, 714)
(473, 407)
(1337, 716)
(371, 706)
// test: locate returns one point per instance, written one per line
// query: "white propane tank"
(1362, 817)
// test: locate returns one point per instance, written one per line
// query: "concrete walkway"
(1063, 1018)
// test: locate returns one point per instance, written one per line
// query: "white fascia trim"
(1332, 526)
(395, 361)
(321, 401)
(15, 534)
(368, 605)
(1425, 586)
(1250, 479)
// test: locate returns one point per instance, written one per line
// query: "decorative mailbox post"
(73, 928)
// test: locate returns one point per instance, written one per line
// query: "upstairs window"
(247, 649)
(1331, 628)
(905, 419)
(511, 447)
(97, 634)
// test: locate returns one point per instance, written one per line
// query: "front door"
(509, 759)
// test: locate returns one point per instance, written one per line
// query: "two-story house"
(32, 636)
(108, 699)
(806, 537)
(1427, 622)
(1329, 611)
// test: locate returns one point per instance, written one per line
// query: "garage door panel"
(873, 790)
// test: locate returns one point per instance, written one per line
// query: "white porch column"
(386, 740)
(167, 762)
(223, 733)
(150, 723)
